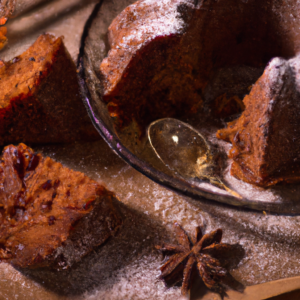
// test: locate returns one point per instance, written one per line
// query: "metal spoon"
(185, 151)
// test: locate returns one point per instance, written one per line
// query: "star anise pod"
(200, 251)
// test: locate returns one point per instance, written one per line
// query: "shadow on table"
(294, 295)
(136, 238)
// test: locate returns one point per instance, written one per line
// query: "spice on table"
(200, 251)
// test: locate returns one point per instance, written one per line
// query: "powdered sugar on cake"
(163, 18)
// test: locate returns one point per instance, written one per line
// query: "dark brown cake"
(50, 216)
(40, 100)
(164, 53)
(266, 138)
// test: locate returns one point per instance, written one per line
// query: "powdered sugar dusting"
(162, 19)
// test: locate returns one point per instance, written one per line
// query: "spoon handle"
(216, 181)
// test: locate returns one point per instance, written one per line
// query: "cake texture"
(50, 216)
(164, 53)
(266, 138)
(40, 100)
(3, 38)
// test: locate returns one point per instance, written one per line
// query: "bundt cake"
(171, 58)
(40, 100)
(50, 216)
(164, 53)
(266, 138)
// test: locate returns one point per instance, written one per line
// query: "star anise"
(200, 251)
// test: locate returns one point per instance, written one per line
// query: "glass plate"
(94, 47)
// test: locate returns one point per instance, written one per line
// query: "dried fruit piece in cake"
(266, 138)
(40, 100)
(50, 216)
(3, 38)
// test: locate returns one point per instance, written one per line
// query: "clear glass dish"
(279, 199)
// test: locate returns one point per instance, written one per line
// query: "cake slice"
(164, 53)
(40, 100)
(50, 216)
(266, 138)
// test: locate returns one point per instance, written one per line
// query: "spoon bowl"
(185, 151)
(180, 147)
